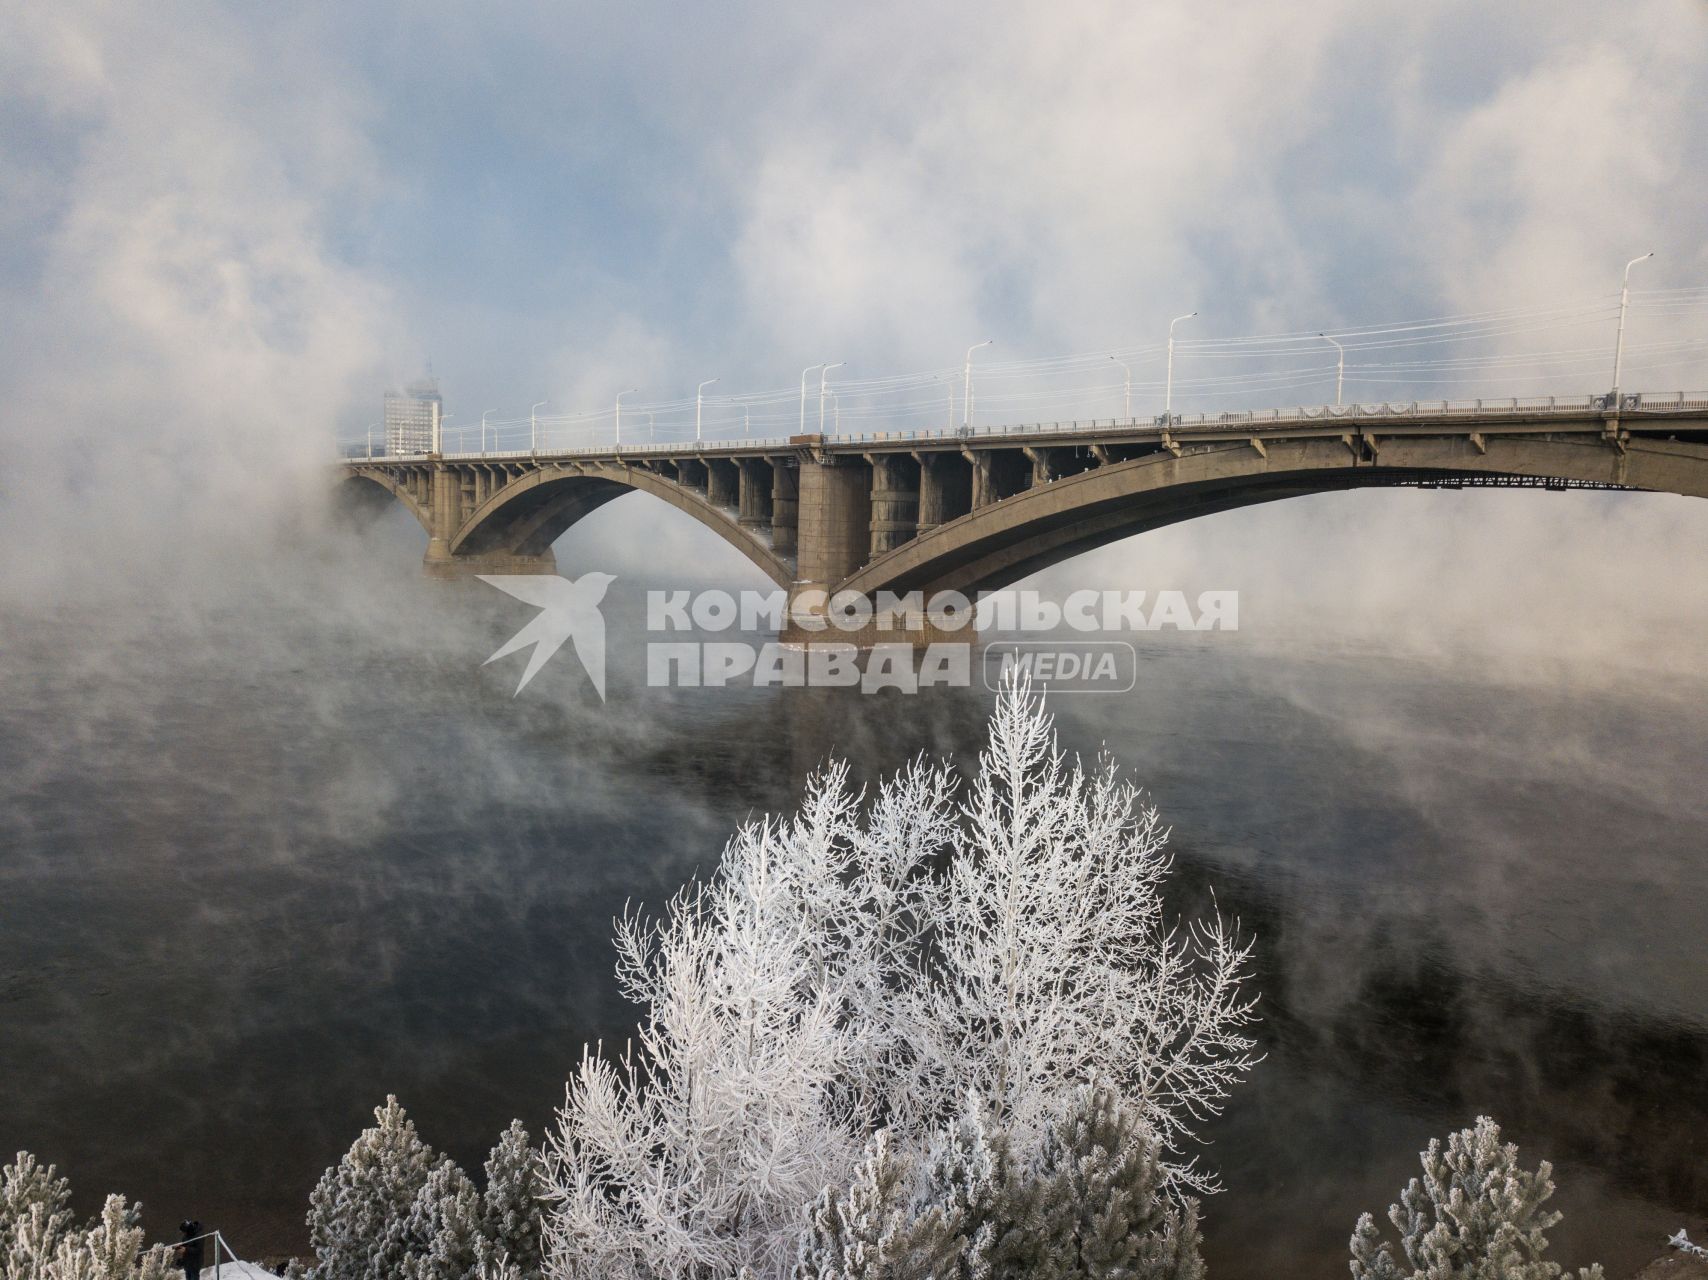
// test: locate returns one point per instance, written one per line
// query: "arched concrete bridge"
(977, 510)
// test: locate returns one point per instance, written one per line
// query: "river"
(262, 864)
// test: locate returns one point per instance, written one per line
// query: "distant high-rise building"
(412, 418)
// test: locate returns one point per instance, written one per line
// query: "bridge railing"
(1636, 403)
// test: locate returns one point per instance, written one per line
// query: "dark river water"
(263, 861)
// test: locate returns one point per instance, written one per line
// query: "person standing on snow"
(190, 1252)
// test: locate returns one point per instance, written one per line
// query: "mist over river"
(268, 856)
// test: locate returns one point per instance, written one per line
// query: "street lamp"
(948, 381)
(967, 382)
(1339, 368)
(439, 433)
(1619, 342)
(1168, 393)
(804, 373)
(483, 428)
(823, 376)
(371, 427)
(698, 399)
(533, 428)
(617, 435)
(1128, 394)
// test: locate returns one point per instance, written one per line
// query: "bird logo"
(568, 611)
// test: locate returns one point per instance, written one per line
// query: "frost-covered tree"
(860, 966)
(111, 1248)
(40, 1240)
(359, 1213)
(1086, 1203)
(510, 1205)
(1055, 960)
(1474, 1215)
(36, 1201)
(393, 1208)
(696, 1157)
(442, 1236)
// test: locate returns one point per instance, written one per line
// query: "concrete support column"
(445, 511)
(895, 501)
(945, 489)
(835, 520)
(1043, 469)
(756, 491)
(722, 483)
(691, 473)
(785, 505)
(930, 492)
(467, 497)
(984, 486)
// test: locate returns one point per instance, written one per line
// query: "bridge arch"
(998, 544)
(364, 490)
(530, 512)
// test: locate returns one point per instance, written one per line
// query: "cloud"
(184, 337)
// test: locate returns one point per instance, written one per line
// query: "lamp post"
(1339, 367)
(967, 382)
(746, 418)
(948, 381)
(804, 373)
(533, 427)
(439, 433)
(483, 428)
(1619, 341)
(371, 427)
(617, 435)
(823, 377)
(699, 398)
(1127, 394)
(1168, 392)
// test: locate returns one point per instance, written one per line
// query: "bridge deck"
(978, 507)
(1637, 412)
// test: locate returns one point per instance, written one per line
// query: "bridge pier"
(756, 495)
(498, 564)
(945, 490)
(785, 506)
(723, 481)
(895, 500)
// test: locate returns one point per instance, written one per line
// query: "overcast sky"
(226, 228)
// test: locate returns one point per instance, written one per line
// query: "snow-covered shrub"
(1474, 1215)
(392, 1209)
(359, 1212)
(859, 967)
(34, 1202)
(441, 1237)
(510, 1212)
(40, 1240)
(1085, 1203)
